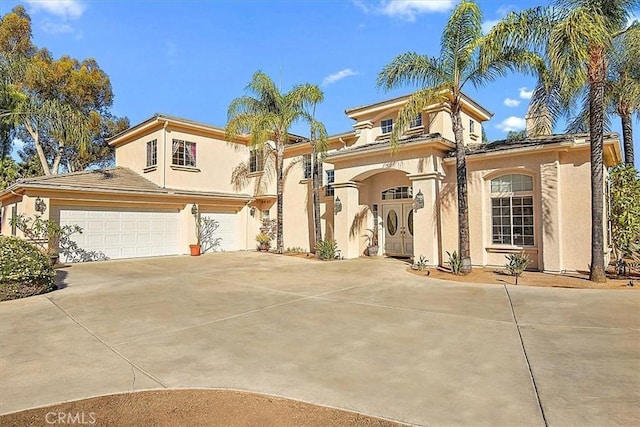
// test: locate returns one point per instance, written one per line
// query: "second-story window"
(256, 162)
(472, 126)
(184, 153)
(152, 153)
(331, 177)
(306, 165)
(386, 125)
(417, 122)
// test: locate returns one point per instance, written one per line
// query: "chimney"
(538, 119)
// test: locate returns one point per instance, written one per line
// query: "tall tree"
(466, 57)
(267, 115)
(576, 37)
(318, 141)
(622, 90)
(62, 105)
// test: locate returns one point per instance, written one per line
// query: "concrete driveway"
(362, 335)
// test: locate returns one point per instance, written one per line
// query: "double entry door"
(398, 229)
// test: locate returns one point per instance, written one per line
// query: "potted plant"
(264, 242)
(372, 241)
(45, 234)
(195, 249)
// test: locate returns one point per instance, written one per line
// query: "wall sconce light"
(194, 209)
(252, 211)
(418, 201)
(337, 206)
(41, 206)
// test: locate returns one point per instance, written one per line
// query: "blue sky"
(191, 58)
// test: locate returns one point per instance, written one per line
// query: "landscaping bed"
(499, 276)
(190, 407)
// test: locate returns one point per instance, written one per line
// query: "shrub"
(24, 269)
(420, 264)
(455, 262)
(517, 264)
(263, 238)
(326, 249)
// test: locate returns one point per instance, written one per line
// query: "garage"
(124, 233)
(227, 232)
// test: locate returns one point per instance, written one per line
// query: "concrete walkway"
(362, 335)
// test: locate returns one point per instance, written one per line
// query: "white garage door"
(124, 233)
(227, 232)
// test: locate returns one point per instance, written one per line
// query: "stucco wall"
(561, 198)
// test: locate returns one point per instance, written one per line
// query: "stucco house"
(531, 194)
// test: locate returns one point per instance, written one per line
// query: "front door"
(398, 229)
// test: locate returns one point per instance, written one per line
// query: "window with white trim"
(417, 122)
(386, 125)
(183, 153)
(472, 126)
(512, 217)
(331, 177)
(256, 162)
(397, 193)
(306, 165)
(152, 153)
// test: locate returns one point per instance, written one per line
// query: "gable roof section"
(159, 120)
(357, 113)
(119, 180)
(575, 140)
(383, 144)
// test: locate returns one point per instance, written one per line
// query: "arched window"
(397, 193)
(512, 218)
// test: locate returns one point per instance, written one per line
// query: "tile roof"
(118, 179)
(510, 144)
(384, 141)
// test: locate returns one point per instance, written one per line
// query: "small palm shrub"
(420, 264)
(517, 264)
(455, 262)
(25, 270)
(326, 249)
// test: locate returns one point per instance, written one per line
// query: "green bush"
(517, 264)
(24, 269)
(327, 249)
(455, 262)
(421, 264)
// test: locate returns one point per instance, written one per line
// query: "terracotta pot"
(264, 247)
(195, 250)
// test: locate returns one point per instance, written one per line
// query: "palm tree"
(267, 115)
(622, 91)
(623, 86)
(576, 37)
(465, 58)
(318, 141)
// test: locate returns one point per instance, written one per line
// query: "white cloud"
(338, 76)
(55, 28)
(526, 94)
(64, 8)
(511, 102)
(405, 9)
(512, 123)
(487, 25)
(500, 12)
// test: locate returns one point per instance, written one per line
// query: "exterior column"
(549, 213)
(348, 194)
(426, 221)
